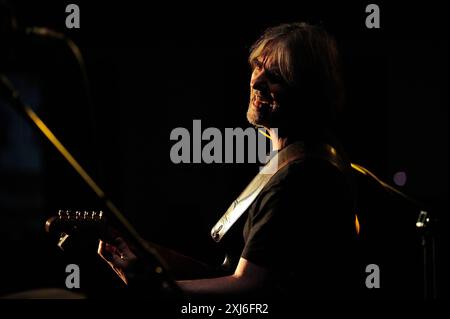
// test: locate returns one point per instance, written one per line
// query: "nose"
(258, 80)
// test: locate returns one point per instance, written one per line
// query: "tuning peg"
(96, 215)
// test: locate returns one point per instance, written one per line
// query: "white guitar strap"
(292, 152)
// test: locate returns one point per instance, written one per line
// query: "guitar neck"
(93, 225)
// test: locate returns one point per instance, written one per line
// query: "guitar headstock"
(67, 220)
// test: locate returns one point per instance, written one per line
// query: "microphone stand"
(424, 225)
(167, 286)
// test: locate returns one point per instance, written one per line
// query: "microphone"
(45, 32)
(10, 28)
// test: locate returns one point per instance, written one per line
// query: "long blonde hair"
(308, 61)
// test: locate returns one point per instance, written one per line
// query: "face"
(267, 92)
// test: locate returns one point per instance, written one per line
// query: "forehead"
(264, 58)
(269, 53)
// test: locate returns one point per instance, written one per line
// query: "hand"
(119, 256)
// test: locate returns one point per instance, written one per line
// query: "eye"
(256, 64)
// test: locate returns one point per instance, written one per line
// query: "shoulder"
(304, 171)
(304, 184)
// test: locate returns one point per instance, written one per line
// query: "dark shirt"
(302, 228)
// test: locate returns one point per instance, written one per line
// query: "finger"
(124, 250)
(111, 248)
(101, 247)
(122, 247)
(104, 247)
(119, 261)
(121, 244)
(106, 251)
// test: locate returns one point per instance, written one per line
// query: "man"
(299, 235)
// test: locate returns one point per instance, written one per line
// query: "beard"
(263, 114)
(257, 117)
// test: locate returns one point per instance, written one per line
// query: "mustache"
(262, 95)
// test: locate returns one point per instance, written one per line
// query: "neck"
(278, 142)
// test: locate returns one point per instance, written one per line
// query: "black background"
(153, 68)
